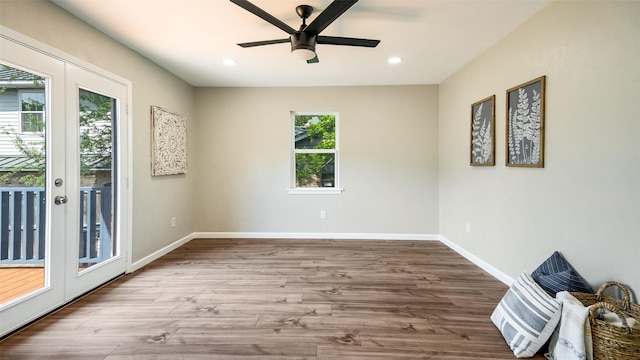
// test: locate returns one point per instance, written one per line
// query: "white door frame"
(21, 311)
(76, 282)
(36, 303)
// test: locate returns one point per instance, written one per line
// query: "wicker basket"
(612, 342)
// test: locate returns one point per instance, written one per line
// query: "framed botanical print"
(483, 132)
(525, 124)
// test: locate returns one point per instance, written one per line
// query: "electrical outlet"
(323, 214)
(468, 228)
(173, 221)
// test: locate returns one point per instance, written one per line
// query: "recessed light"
(395, 60)
(229, 61)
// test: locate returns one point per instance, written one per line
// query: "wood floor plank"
(214, 352)
(56, 352)
(281, 299)
(313, 323)
(282, 336)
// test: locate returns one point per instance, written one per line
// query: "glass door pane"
(22, 182)
(96, 129)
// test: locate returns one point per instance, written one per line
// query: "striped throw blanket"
(572, 338)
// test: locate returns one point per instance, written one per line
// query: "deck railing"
(22, 225)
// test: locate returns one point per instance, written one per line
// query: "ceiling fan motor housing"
(303, 40)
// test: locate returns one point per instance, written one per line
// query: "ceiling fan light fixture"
(395, 60)
(303, 54)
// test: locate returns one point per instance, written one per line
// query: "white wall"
(388, 160)
(585, 202)
(157, 199)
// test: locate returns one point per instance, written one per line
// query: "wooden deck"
(281, 299)
(18, 281)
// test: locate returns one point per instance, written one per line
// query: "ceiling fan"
(303, 41)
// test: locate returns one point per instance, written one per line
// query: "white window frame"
(21, 112)
(335, 189)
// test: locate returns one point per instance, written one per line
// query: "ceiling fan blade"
(264, 15)
(315, 60)
(265, 42)
(332, 12)
(336, 40)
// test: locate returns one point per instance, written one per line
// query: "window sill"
(315, 191)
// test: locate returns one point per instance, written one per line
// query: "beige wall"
(157, 199)
(585, 202)
(388, 160)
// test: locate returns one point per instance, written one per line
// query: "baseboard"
(337, 236)
(506, 279)
(160, 253)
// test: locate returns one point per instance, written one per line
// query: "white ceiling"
(191, 38)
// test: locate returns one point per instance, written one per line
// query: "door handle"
(60, 200)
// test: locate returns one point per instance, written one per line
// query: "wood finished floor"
(15, 282)
(281, 299)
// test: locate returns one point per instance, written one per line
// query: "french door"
(63, 212)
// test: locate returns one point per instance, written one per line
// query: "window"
(31, 111)
(315, 153)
